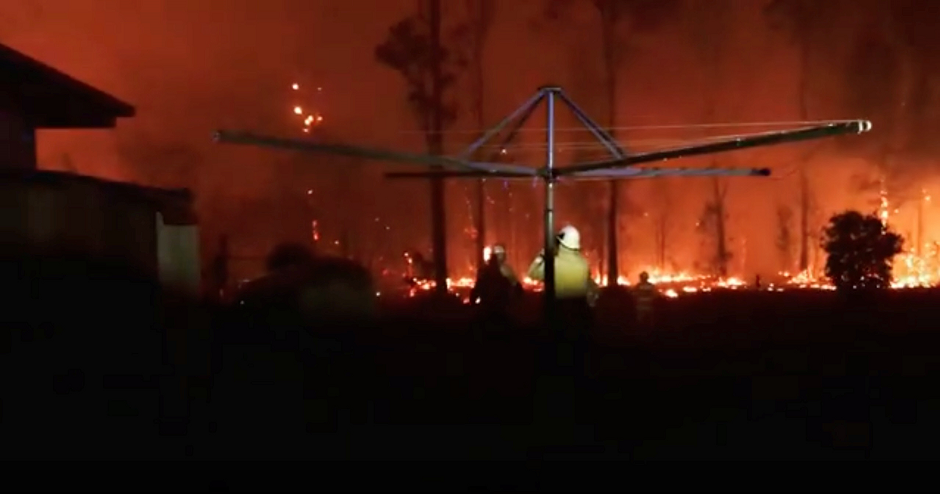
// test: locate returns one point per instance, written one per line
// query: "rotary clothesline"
(619, 165)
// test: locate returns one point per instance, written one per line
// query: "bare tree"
(481, 14)
(711, 224)
(620, 17)
(414, 49)
(805, 23)
(785, 237)
(709, 25)
(662, 222)
(620, 22)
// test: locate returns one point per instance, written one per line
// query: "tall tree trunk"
(613, 206)
(804, 220)
(480, 225)
(721, 244)
(613, 261)
(805, 202)
(480, 27)
(709, 22)
(436, 147)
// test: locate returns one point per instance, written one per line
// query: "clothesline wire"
(594, 144)
(652, 127)
(630, 148)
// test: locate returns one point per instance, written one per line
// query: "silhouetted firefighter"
(644, 294)
(496, 286)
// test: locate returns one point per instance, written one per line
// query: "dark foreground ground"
(91, 373)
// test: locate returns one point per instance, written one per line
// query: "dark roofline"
(49, 176)
(116, 107)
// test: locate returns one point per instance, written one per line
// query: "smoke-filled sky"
(191, 67)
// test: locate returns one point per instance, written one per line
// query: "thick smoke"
(192, 67)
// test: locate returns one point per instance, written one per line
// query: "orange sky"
(191, 67)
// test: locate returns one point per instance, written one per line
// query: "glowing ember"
(309, 119)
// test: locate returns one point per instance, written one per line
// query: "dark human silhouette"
(859, 251)
(496, 286)
(644, 295)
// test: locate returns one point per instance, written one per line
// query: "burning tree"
(898, 40)
(806, 24)
(785, 237)
(414, 49)
(712, 225)
(629, 17)
(859, 249)
(662, 221)
(709, 23)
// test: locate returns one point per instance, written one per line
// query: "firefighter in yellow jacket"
(573, 283)
(575, 291)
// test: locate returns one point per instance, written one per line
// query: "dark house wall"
(80, 216)
(17, 141)
(50, 211)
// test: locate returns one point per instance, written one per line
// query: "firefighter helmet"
(570, 238)
(644, 277)
(498, 250)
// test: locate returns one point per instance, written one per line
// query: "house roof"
(50, 99)
(176, 205)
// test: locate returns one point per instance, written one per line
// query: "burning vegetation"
(903, 266)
